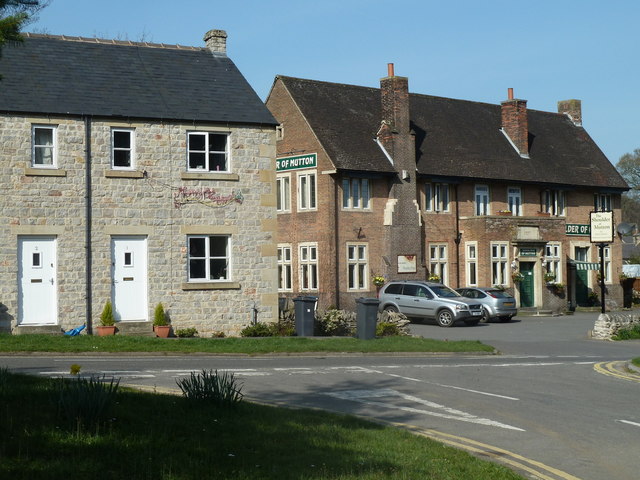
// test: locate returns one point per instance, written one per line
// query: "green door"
(582, 278)
(526, 285)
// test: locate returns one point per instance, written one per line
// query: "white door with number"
(37, 281)
(129, 278)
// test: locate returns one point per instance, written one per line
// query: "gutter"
(88, 221)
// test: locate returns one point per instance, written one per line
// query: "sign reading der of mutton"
(297, 162)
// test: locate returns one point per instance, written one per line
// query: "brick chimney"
(573, 109)
(404, 233)
(216, 41)
(515, 124)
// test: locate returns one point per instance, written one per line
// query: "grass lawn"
(636, 361)
(244, 345)
(153, 436)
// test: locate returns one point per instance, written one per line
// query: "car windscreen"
(498, 294)
(442, 291)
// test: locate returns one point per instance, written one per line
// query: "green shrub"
(258, 329)
(84, 402)
(386, 329)
(186, 332)
(106, 317)
(631, 332)
(159, 316)
(336, 323)
(222, 389)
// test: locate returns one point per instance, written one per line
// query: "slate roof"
(73, 75)
(454, 138)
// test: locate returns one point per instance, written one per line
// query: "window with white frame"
(308, 260)
(284, 268)
(514, 200)
(356, 193)
(44, 146)
(436, 197)
(602, 202)
(122, 148)
(209, 257)
(499, 263)
(607, 263)
(283, 193)
(553, 202)
(307, 190)
(472, 264)
(208, 151)
(357, 266)
(438, 261)
(482, 199)
(553, 264)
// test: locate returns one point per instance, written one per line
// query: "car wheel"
(391, 309)
(445, 318)
(485, 316)
(505, 319)
(473, 322)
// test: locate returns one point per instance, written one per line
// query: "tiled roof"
(454, 138)
(78, 76)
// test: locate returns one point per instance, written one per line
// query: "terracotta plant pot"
(162, 331)
(104, 330)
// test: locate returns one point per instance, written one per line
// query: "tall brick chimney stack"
(216, 41)
(515, 123)
(573, 109)
(404, 234)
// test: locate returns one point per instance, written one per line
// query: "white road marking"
(630, 423)
(454, 387)
(365, 396)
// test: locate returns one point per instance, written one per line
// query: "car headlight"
(461, 307)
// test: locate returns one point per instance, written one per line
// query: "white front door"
(37, 281)
(129, 278)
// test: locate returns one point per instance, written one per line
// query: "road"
(540, 405)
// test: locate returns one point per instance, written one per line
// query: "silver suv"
(436, 301)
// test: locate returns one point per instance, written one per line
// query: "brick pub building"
(407, 186)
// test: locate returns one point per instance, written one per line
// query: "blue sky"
(547, 50)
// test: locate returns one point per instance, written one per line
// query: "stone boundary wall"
(608, 324)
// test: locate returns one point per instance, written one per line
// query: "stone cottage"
(139, 173)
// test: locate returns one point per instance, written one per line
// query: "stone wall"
(608, 324)
(142, 202)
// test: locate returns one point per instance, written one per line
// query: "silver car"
(496, 303)
(416, 298)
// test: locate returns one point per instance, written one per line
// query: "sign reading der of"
(601, 227)
(294, 163)
(578, 229)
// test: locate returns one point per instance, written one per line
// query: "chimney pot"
(390, 72)
(216, 41)
(510, 93)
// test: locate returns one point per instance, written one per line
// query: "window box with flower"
(434, 277)
(549, 277)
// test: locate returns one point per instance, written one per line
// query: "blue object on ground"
(74, 331)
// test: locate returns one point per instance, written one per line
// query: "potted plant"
(517, 276)
(549, 277)
(107, 321)
(160, 323)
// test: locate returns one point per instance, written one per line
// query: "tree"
(629, 168)
(14, 14)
